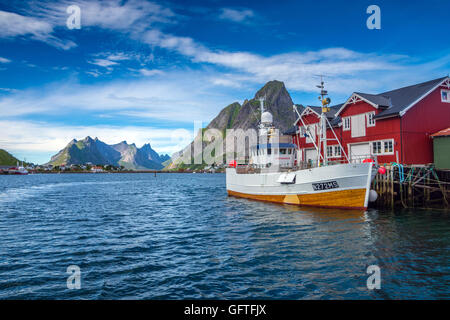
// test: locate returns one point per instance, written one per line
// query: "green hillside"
(6, 159)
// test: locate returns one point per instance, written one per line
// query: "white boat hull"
(337, 186)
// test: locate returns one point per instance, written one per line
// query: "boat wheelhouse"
(264, 155)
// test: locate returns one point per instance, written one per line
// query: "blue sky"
(142, 70)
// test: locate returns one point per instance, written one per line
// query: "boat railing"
(363, 158)
(301, 165)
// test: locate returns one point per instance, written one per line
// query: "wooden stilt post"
(392, 187)
(386, 198)
(410, 194)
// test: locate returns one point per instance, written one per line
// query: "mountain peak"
(100, 153)
(271, 88)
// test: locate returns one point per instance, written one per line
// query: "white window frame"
(448, 95)
(384, 146)
(369, 123)
(330, 154)
(337, 148)
(334, 154)
(383, 153)
(373, 149)
(344, 123)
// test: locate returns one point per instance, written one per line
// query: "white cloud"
(226, 82)
(39, 20)
(94, 73)
(120, 56)
(148, 72)
(103, 62)
(127, 16)
(13, 25)
(120, 15)
(111, 60)
(297, 69)
(9, 90)
(236, 15)
(4, 60)
(156, 97)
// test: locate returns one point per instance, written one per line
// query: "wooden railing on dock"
(412, 186)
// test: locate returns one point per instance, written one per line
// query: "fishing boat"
(273, 173)
(19, 170)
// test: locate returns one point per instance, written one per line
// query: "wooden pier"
(415, 186)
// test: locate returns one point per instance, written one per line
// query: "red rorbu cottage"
(394, 126)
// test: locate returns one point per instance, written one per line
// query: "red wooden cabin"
(394, 126)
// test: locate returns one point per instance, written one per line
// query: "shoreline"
(105, 172)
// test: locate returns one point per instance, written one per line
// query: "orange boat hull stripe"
(353, 199)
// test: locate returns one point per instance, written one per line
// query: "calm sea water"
(178, 236)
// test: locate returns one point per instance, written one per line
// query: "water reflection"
(180, 236)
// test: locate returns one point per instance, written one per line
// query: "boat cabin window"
(289, 151)
(275, 151)
(269, 151)
(282, 151)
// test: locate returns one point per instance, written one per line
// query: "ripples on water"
(179, 236)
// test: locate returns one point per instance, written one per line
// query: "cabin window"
(289, 151)
(388, 148)
(346, 122)
(282, 151)
(337, 151)
(376, 147)
(329, 151)
(371, 119)
(269, 151)
(384, 147)
(445, 95)
(275, 151)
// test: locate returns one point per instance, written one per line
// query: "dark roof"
(378, 99)
(331, 115)
(391, 102)
(291, 131)
(334, 109)
(272, 145)
(395, 101)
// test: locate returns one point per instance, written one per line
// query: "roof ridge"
(415, 85)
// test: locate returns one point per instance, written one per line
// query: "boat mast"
(323, 123)
(261, 102)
